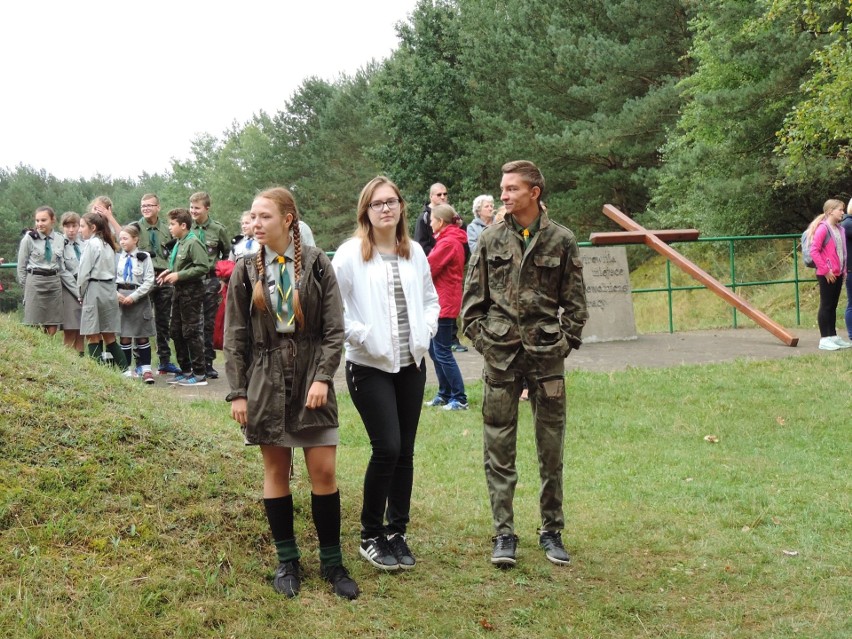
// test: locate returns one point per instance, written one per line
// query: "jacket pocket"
(499, 270)
(547, 271)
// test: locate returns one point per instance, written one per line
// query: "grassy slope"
(122, 514)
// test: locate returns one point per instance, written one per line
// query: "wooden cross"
(657, 240)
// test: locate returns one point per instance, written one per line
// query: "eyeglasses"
(392, 204)
(150, 206)
(444, 194)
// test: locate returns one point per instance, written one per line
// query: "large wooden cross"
(636, 234)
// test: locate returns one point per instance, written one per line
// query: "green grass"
(123, 514)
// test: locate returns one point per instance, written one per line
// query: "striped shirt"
(403, 327)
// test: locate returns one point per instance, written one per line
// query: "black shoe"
(401, 551)
(344, 586)
(287, 579)
(378, 553)
(503, 554)
(212, 373)
(555, 552)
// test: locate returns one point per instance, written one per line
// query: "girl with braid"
(100, 320)
(283, 341)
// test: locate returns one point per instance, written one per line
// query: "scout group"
(514, 279)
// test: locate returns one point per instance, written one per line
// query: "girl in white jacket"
(390, 314)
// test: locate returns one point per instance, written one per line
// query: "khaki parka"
(261, 363)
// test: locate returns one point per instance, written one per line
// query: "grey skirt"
(42, 300)
(307, 438)
(100, 309)
(137, 320)
(71, 311)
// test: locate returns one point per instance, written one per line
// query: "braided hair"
(284, 202)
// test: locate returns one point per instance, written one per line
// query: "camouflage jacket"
(533, 299)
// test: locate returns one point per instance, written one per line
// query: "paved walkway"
(656, 350)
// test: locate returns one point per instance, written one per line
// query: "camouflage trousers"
(161, 299)
(502, 389)
(187, 327)
(212, 299)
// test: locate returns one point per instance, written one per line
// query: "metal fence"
(733, 284)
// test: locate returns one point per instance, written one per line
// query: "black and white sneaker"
(503, 553)
(377, 552)
(555, 552)
(401, 551)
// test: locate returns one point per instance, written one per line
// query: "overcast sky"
(118, 88)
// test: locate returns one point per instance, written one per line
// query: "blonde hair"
(827, 208)
(364, 231)
(446, 213)
(285, 204)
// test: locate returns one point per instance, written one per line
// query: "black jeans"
(389, 405)
(829, 296)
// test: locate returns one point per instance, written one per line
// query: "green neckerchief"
(48, 249)
(527, 232)
(173, 256)
(201, 234)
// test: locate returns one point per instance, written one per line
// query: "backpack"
(806, 249)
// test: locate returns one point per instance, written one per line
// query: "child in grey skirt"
(134, 280)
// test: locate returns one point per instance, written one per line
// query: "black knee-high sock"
(126, 350)
(143, 354)
(326, 513)
(279, 514)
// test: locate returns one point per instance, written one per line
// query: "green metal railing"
(733, 284)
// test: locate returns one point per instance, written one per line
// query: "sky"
(119, 88)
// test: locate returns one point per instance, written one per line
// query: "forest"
(730, 116)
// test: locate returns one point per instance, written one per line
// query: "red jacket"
(446, 260)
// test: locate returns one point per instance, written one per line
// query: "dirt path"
(657, 350)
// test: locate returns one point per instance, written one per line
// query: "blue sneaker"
(192, 380)
(168, 369)
(180, 377)
(458, 348)
(436, 401)
(455, 405)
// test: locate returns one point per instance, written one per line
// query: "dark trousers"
(849, 305)
(829, 296)
(161, 299)
(450, 382)
(546, 381)
(212, 298)
(389, 405)
(187, 327)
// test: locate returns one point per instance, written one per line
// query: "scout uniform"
(524, 309)
(96, 279)
(241, 246)
(215, 240)
(134, 278)
(189, 260)
(42, 275)
(71, 309)
(157, 242)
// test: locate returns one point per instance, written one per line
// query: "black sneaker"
(377, 552)
(212, 373)
(503, 554)
(555, 552)
(286, 580)
(344, 586)
(401, 551)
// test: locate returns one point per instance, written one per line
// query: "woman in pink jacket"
(446, 262)
(828, 250)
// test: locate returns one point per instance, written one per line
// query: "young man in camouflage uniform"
(155, 239)
(218, 245)
(524, 309)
